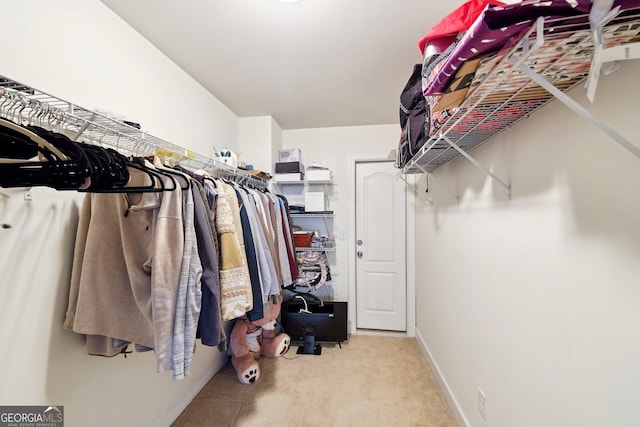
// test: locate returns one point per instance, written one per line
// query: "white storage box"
(290, 155)
(314, 201)
(284, 177)
(318, 175)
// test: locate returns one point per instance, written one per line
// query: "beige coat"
(126, 267)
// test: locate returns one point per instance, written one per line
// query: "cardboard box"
(314, 201)
(302, 239)
(289, 167)
(290, 155)
(456, 93)
(318, 175)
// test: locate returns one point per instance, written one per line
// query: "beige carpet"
(370, 381)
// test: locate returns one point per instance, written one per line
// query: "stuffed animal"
(250, 340)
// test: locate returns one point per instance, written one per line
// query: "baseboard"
(461, 420)
(381, 333)
(173, 412)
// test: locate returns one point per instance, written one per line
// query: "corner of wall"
(256, 141)
(173, 412)
(452, 402)
(276, 142)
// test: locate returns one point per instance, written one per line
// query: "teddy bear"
(251, 339)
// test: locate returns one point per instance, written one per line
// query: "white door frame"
(410, 243)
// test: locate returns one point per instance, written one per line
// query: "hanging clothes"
(150, 270)
(256, 311)
(162, 256)
(126, 269)
(189, 297)
(210, 327)
(266, 268)
(264, 220)
(235, 285)
(273, 230)
(285, 271)
(288, 235)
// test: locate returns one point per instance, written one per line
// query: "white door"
(381, 287)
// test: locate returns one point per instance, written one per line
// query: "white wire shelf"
(25, 104)
(312, 249)
(506, 88)
(305, 182)
(311, 215)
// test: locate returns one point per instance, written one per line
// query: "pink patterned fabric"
(494, 27)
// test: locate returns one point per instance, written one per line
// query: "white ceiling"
(314, 63)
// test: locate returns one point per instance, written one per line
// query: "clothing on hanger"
(210, 327)
(236, 296)
(126, 268)
(189, 292)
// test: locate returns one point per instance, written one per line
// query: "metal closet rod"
(24, 104)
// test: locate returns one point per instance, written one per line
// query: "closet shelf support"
(84, 126)
(432, 176)
(477, 164)
(579, 109)
(400, 175)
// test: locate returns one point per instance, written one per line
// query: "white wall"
(276, 143)
(80, 51)
(259, 141)
(536, 299)
(332, 147)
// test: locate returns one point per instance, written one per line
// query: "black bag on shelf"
(414, 118)
(411, 94)
(402, 153)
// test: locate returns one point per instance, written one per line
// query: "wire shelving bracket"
(530, 70)
(25, 104)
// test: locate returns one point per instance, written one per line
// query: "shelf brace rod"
(412, 186)
(432, 176)
(400, 175)
(84, 127)
(478, 165)
(579, 109)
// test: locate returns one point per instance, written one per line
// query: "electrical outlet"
(482, 404)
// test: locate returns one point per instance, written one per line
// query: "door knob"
(359, 253)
